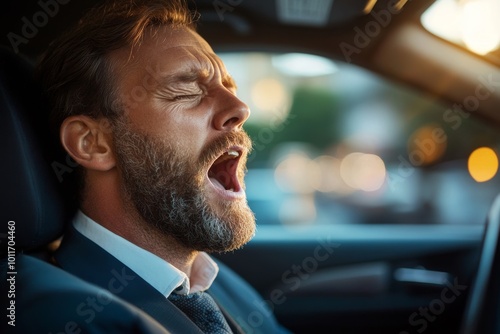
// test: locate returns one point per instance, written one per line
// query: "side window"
(336, 144)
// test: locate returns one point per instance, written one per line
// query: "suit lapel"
(83, 258)
(228, 313)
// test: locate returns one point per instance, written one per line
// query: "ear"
(88, 142)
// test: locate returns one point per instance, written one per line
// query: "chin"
(240, 220)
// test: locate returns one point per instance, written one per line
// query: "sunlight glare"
(472, 23)
(480, 25)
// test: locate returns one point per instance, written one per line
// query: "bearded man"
(150, 114)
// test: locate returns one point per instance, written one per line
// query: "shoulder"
(60, 302)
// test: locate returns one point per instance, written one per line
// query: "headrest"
(31, 197)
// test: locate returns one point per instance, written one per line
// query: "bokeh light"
(270, 95)
(299, 64)
(297, 173)
(426, 145)
(362, 171)
(329, 178)
(483, 164)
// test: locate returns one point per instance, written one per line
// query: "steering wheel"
(482, 312)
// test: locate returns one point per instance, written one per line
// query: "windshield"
(336, 144)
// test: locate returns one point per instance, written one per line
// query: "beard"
(167, 188)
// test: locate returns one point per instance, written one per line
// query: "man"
(150, 114)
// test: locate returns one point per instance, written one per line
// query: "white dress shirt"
(160, 274)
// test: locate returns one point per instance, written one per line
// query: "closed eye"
(185, 97)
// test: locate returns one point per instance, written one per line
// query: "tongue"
(216, 183)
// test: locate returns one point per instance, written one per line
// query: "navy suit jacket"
(50, 300)
(242, 306)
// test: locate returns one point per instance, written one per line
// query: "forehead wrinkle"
(194, 65)
(195, 61)
(226, 78)
(199, 73)
(210, 65)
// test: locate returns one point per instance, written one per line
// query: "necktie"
(203, 311)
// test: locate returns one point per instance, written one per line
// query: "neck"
(107, 207)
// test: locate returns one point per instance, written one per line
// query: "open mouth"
(223, 173)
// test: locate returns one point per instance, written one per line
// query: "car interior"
(405, 242)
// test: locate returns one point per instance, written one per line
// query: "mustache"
(214, 149)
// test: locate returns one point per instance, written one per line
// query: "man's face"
(180, 146)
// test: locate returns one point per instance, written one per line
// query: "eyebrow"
(193, 76)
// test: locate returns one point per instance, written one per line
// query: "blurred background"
(336, 144)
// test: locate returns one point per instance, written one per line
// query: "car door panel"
(327, 278)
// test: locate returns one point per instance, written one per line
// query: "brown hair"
(75, 71)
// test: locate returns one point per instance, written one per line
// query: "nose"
(231, 113)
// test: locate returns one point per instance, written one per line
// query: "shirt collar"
(160, 274)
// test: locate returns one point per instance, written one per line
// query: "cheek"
(188, 144)
(187, 131)
(186, 140)
(191, 130)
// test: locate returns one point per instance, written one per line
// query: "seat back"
(32, 197)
